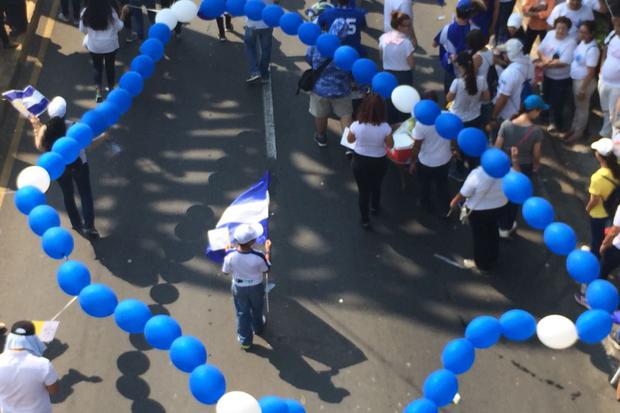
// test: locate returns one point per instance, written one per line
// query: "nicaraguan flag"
(28, 101)
(250, 207)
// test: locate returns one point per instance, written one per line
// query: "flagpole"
(267, 291)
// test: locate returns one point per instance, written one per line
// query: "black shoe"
(375, 212)
(230, 28)
(365, 224)
(91, 233)
(252, 78)
(321, 140)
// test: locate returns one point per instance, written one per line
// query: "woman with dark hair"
(467, 92)
(371, 134)
(101, 24)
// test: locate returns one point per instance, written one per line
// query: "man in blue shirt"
(354, 18)
(451, 40)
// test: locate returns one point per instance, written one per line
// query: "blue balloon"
(271, 15)
(448, 125)
(537, 212)
(67, 148)
(290, 22)
(517, 187)
(109, 112)
(472, 141)
(345, 56)
(421, 406)
(160, 32)
(144, 65)
(98, 300)
(560, 238)
(82, 133)
(187, 353)
(602, 295)
(327, 44)
(154, 49)
(121, 98)
(57, 243)
(426, 112)
(593, 326)
(273, 404)
(363, 71)
(295, 406)
(495, 162)
(207, 383)
(583, 266)
(42, 218)
(28, 197)
(131, 315)
(517, 325)
(72, 277)
(236, 8)
(95, 121)
(308, 33)
(384, 83)
(211, 9)
(440, 387)
(254, 9)
(161, 330)
(483, 331)
(458, 356)
(132, 82)
(53, 163)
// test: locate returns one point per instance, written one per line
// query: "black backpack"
(613, 199)
(309, 77)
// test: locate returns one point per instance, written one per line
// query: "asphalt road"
(358, 319)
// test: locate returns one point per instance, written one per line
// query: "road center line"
(270, 127)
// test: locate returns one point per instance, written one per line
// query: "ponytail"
(612, 163)
(465, 60)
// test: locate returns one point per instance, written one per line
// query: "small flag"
(28, 102)
(250, 207)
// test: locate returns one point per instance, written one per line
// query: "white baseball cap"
(57, 107)
(514, 49)
(603, 146)
(515, 20)
(245, 233)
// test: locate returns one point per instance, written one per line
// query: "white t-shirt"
(467, 106)
(585, 55)
(247, 268)
(403, 6)
(575, 16)
(23, 378)
(370, 139)
(482, 191)
(487, 61)
(616, 223)
(395, 55)
(435, 150)
(102, 41)
(610, 70)
(563, 48)
(511, 84)
(593, 4)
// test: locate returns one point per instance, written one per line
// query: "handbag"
(309, 77)
(466, 212)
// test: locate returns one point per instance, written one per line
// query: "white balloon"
(557, 332)
(167, 17)
(34, 176)
(404, 98)
(237, 402)
(185, 10)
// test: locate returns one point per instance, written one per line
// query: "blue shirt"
(355, 20)
(483, 19)
(333, 82)
(452, 40)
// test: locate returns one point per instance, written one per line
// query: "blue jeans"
(249, 306)
(253, 39)
(136, 15)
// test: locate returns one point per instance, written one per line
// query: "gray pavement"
(358, 318)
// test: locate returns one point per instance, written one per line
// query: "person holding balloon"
(257, 43)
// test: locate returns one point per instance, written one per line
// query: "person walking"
(397, 56)
(537, 12)
(556, 54)
(402, 6)
(371, 134)
(27, 379)
(78, 171)
(223, 28)
(583, 74)
(101, 24)
(505, 10)
(468, 92)
(137, 18)
(247, 267)
(609, 81)
(257, 41)
(486, 17)
(355, 20)
(65, 15)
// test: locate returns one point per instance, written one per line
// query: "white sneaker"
(470, 264)
(504, 233)
(63, 18)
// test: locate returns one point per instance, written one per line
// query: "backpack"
(613, 199)
(309, 77)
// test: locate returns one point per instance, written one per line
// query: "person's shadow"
(73, 377)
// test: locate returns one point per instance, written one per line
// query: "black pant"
(530, 38)
(610, 261)
(99, 59)
(16, 15)
(485, 235)
(167, 4)
(510, 212)
(368, 173)
(437, 176)
(558, 94)
(75, 5)
(501, 31)
(220, 24)
(78, 172)
(404, 77)
(597, 231)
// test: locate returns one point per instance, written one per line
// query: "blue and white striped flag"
(250, 207)
(28, 101)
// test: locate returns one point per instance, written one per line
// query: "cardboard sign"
(46, 330)
(219, 238)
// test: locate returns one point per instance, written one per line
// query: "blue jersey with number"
(355, 20)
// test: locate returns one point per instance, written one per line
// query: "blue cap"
(464, 4)
(535, 102)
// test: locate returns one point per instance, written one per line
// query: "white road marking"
(270, 127)
(449, 261)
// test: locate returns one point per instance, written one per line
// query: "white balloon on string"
(34, 176)
(404, 98)
(167, 17)
(185, 10)
(237, 402)
(557, 332)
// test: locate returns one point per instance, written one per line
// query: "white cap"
(245, 233)
(514, 49)
(57, 107)
(515, 20)
(603, 146)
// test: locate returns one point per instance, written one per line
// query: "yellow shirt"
(601, 186)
